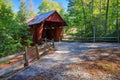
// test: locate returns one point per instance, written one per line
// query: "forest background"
(84, 18)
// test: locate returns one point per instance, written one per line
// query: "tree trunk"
(101, 27)
(117, 24)
(106, 22)
(84, 15)
(92, 20)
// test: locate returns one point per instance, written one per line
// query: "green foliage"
(86, 14)
(81, 17)
(48, 5)
(22, 16)
(31, 10)
(12, 33)
(23, 12)
(6, 27)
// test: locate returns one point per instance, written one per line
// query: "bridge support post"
(53, 45)
(37, 51)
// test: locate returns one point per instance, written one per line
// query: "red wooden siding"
(54, 18)
(40, 30)
(58, 34)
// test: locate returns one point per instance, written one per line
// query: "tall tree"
(12, 33)
(23, 12)
(100, 12)
(100, 15)
(48, 5)
(84, 14)
(23, 15)
(31, 9)
(9, 42)
(106, 22)
(117, 21)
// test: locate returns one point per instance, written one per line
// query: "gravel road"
(57, 66)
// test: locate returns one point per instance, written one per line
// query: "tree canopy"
(23, 11)
(12, 32)
(84, 18)
(101, 14)
(31, 9)
(48, 5)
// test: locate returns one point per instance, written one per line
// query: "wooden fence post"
(25, 57)
(45, 41)
(53, 43)
(94, 34)
(59, 39)
(37, 51)
(118, 39)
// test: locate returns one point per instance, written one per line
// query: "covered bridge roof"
(38, 19)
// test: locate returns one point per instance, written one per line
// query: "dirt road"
(67, 63)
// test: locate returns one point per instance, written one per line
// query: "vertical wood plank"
(53, 45)
(37, 51)
(46, 41)
(94, 34)
(25, 57)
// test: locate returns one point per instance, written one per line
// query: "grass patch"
(109, 67)
(4, 62)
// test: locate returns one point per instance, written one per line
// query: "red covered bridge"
(48, 25)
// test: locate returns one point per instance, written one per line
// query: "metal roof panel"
(40, 18)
